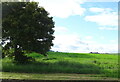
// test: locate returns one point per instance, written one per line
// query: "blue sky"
(84, 27)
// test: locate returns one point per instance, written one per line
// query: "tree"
(27, 27)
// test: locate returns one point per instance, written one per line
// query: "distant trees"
(27, 27)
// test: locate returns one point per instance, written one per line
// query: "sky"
(82, 26)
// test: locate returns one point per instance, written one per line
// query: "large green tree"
(27, 27)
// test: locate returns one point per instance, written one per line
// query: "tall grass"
(103, 64)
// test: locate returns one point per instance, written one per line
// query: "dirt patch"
(17, 80)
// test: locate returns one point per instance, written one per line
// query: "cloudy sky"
(84, 27)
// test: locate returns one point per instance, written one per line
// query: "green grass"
(105, 65)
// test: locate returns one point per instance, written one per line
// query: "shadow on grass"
(76, 55)
(49, 58)
(56, 67)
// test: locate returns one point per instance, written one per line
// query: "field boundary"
(17, 80)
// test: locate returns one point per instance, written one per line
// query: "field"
(63, 66)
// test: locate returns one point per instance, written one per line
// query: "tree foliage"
(27, 27)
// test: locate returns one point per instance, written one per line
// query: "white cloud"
(108, 28)
(88, 37)
(74, 43)
(104, 48)
(96, 9)
(60, 29)
(68, 43)
(90, 41)
(62, 8)
(68, 39)
(110, 19)
(113, 41)
(106, 18)
(100, 10)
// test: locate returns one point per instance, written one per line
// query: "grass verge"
(56, 76)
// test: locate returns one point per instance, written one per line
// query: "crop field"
(63, 66)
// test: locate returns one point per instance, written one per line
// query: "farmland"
(63, 66)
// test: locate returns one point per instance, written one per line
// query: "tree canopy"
(27, 27)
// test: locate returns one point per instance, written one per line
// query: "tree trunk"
(15, 52)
